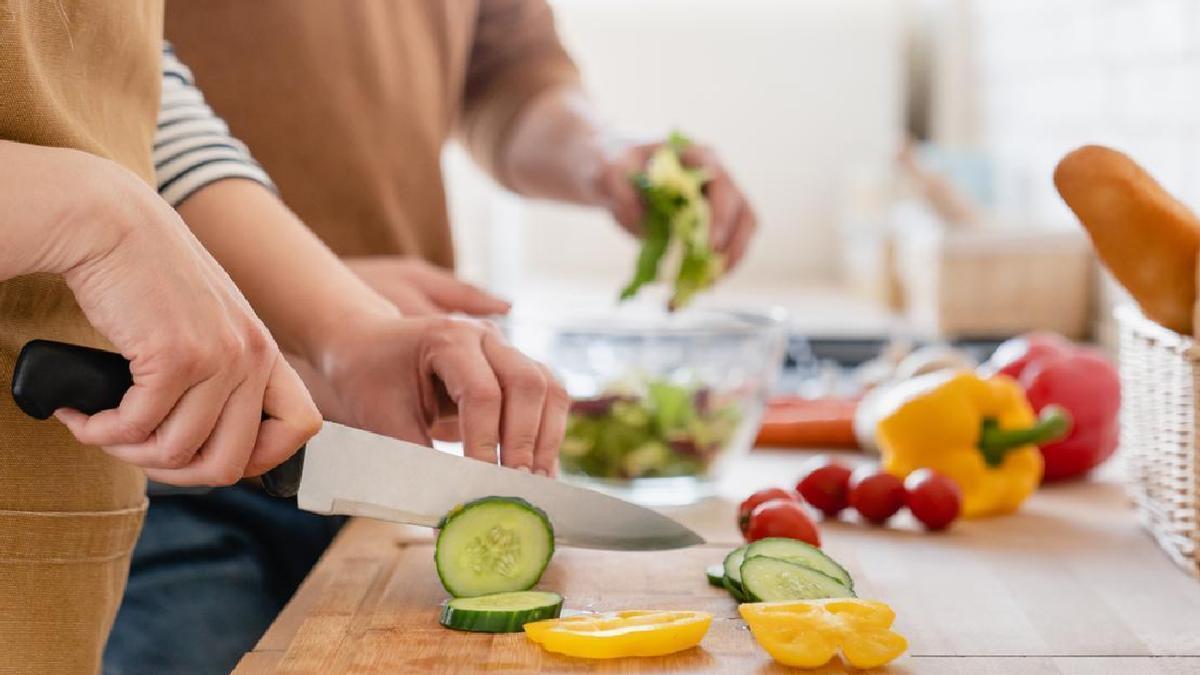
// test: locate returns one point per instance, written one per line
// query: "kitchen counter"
(1070, 585)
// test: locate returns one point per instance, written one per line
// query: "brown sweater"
(348, 104)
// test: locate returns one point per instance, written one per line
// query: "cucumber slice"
(772, 580)
(716, 575)
(493, 545)
(733, 564)
(800, 553)
(733, 572)
(501, 612)
(735, 589)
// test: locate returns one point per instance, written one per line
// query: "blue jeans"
(209, 574)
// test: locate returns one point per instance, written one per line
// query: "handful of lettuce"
(677, 218)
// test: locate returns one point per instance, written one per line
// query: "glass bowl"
(661, 402)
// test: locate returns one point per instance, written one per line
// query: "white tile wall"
(1055, 74)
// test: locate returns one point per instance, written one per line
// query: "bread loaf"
(1147, 238)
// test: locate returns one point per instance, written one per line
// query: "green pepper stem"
(994, 442)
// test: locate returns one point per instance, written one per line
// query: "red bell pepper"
(1052, 370)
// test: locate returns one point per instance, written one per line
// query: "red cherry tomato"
(758, 498)
(875, 494)
(934, 499)
(826, 485)
(782, 518)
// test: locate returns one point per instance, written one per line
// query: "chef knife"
(349, 471)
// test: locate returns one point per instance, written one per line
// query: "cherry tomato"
(826, 485)
(875, 494)
(782, 518)
(934, 499)
(758, 498)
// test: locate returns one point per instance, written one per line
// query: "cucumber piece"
(773, 580)
(493, 545)
(733, 572)
(501, 612)
(716, 575)
(800, 553)
(733, 564)
(735, 589)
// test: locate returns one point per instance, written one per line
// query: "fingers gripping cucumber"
(493, 545)
(501, 612)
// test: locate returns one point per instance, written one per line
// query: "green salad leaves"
(654, 429)
(677, 217)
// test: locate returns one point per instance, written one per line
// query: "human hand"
(204, 367)
(419, 288)
(733, 219)
(418, 379)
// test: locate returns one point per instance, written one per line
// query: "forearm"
(297, 286)
(557, 148)
(52, 216)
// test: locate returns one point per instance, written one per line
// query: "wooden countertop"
(1070, 585)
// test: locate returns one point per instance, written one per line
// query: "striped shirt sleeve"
(192, 146)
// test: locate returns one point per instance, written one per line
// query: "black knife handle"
(51, 375)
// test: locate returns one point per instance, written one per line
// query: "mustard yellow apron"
(81, 74)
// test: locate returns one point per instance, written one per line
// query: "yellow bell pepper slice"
(809, 633)
(612, 635)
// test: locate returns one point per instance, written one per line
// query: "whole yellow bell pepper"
(981, 433)
(612, 635)
(808, 633)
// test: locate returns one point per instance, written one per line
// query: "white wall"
(794, 94)
(1055, 74)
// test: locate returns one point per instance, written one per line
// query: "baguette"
(1147, 238)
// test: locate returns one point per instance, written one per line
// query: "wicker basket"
(1160, 386)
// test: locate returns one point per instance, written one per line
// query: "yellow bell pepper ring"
(810, 633)
(981, 433)
(612, 635)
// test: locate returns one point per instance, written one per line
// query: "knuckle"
(224, 474)
(175, 455)
(529, 382)
(556, 394)
(133, 431)
(310, 422)
(257, 344)
(482, 396)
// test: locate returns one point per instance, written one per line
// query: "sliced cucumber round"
(493, 545)
(733, 572)
(716, 575)
(501, 612)
(733, 563)
(773, 580)
(800, 553)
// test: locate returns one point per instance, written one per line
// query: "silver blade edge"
(353, 472)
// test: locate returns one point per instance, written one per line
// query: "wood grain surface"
(1070, 585)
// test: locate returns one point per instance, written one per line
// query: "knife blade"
(349, 471)
(353, 472)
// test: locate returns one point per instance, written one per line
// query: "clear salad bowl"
(661, 402)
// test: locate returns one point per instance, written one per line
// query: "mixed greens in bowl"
(654, 429)
(661, 400)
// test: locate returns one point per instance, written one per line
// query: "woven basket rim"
(1129, 316)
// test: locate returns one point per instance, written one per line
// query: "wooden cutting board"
(1071, 585)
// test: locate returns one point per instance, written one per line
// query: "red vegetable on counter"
(1052, 370)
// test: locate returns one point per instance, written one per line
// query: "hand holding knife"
(354, 472)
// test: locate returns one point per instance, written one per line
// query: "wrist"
(75, 220)
(336, 333)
